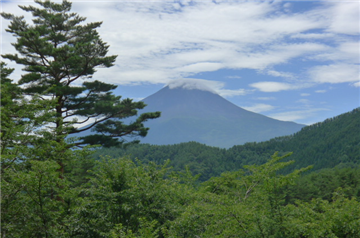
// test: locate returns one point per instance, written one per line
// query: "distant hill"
(205, 117)
(334, 142)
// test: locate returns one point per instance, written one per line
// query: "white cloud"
(310, 36)
(159, 41)
(274, 55)
(200, 67)
(260, 107)
(133, 77)
(345, 17)
(280, 74)
(191, 83)
(346, 52)
(335, 73)
(266, 98)
(271, 86)
(290, 116)
(206, 85)
(349, 50)
(296, 115)
(305, 94)
(233, 92)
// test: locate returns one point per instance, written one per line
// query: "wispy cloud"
(260, 107)
(233, 92)
(343, 52)
(271, 86)
(296, 115)
(310, 36)
(160, 41)
(207, 85)
(199, 84)
(342, 17)
(335, 73)
(280, 74)
(266, 98)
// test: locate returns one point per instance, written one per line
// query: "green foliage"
(246, 203)
(323, 145)
(23, 121)
(41, 171)
(32, 200)
(146, 230)
(57, 52)
(322, 184)
(321, 218)
(38, 197)
(42, 177)
(200, 159)
(122, 198)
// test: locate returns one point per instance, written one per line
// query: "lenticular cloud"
(191, 84)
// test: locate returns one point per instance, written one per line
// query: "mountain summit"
(196, 114)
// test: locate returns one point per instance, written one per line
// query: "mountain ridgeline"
(205, 117)
(334, 142)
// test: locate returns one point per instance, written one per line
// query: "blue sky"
(290, 60)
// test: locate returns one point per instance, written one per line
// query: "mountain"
(334, 142)
(205, 117)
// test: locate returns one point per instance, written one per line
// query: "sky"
(289, 60)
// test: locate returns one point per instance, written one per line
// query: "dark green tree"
(21, 121)
(9, 94)
(37, 197)
(60, 56)
(55, 98)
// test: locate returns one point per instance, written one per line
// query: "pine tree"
(9, 129)
(21, 121)
(58, 53)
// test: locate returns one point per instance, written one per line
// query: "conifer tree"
(60, 55)
(21, 121)
(9, 125)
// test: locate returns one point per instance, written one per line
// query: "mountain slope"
(334, 142)
(205, 117)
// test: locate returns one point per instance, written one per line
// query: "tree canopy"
(60, 55)
(334, 142)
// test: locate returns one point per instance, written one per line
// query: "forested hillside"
(334, 142)
(323, 183)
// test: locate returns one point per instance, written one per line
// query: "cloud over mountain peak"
(191, 84)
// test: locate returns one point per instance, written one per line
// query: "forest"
(99, 185)
(334, 142)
